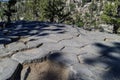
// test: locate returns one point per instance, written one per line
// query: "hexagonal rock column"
(28, 56)
(10, 69)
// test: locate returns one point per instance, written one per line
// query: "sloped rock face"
(10, 69)
(46, 51)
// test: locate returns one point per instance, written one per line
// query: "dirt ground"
(47, 70)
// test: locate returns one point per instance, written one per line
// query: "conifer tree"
(110, 14)
(55, 11)
(10, 10)
(1, 11)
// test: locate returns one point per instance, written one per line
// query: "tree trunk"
(115, 28)
(52, 19)
(9, 19)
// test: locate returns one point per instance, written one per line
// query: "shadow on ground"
(110, 56)
(19, 29)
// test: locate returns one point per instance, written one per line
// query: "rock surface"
(9, 69)
(35, 46)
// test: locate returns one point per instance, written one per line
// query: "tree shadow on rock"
(18, 29)
(59, 57)
(110, 56)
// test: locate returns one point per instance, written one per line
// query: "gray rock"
(83, 39)
(71, 58)
(59, 37)
(32, 44)
(115, 54)
(92, 51)
(34, 32)
(47, 32)
(82, 72)
(15, 46)
(50, 46)
(84, 54)
(63, 58)
(4, 52)
(72, 50)
(72, 31)
(100, 36)
(36, 37)
(71, 43)
(29, 56)
(1, 46)
(9, 69)
(35, 43)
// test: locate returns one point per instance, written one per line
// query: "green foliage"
(10, 9)
(42, 6)
(79, 22)
(106, 18)
(72, 7)
(110, 15)
(93, 6)
(87, 14)
(85, 1)
(55, 11)
(1, 10)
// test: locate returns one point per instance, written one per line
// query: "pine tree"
(1, 11)
(36, 9)
(110, 14)
(10, 10)
(55, 11)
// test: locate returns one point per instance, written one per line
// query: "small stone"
(80, 60)
(33, 32)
